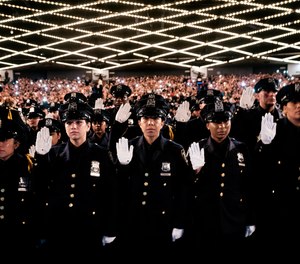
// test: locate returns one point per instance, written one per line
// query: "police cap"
(11, 125)
(288, 93)
(100, 115)
(34, 112)
(266, 84)
(120, 91)
(152, 105)
(217, 112)
(54, 125)
(76, 107)
(209, 96)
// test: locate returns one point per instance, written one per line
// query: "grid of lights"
(45, 19)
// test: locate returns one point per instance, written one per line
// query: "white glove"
(183, 113)
(123, 113)
(177, 233)
(99, 104)
(247, 98)
(196, 156)
(123, 152)
(43, 141)
(250, 230)
(107, 240)
(32, 151)
(268, 128)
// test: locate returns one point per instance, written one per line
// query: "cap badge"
(219, 106)
(151, 101)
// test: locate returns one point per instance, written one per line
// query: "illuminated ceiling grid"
(112, 34)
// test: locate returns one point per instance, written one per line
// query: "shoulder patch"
(184, 156)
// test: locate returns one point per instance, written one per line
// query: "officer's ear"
(16, 143)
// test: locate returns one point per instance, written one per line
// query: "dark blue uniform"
(77, 195)
(154, 189)
(222, 206)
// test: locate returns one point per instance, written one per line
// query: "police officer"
(75, 187)
(100, 128)
(15, 189)
(278, 181)
(221, 208)
(194, 127)
(55, 127)
(246, 123)
(154, 184)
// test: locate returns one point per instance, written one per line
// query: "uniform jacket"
(16, 204)
(221, 190)
(155, 189)
(282, 173)
(76, 189)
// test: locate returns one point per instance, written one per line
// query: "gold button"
(223, 174)
(72, 195)
(298, 178)
(143, 202)
(163, 212)
(241, 199)
(2, 207)
(146, 183)
(94, 185)
(2, 199)
(223, 165)
(1, 216)
(222, 184)
(297, 188)
(72, 185)
(70, 205)
(93, 213)
(73, 175)
(279, 162)
(22, 200)
(221, 194)
(144, 193)
(2, 190)
(23, 222)
(146, 174)
(165, 184)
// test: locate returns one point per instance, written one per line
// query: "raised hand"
(43, 141)
(124, 153)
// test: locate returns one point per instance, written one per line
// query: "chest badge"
(95, 168)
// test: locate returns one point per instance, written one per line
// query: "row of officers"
(225, 187)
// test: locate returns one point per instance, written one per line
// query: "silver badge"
(240, 157)
(165, 166)
(95, 168)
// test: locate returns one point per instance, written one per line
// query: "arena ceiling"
(112, 34)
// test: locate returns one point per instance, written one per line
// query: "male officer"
(278, 182)
(246, 123)
(192, 130)
(154, 183)
(221, 207)
(75, 186)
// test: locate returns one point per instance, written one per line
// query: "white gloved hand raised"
(249, 230)
(268, 128)
(123, 113)
(123, 152)
(43, 141)
(247, 98)
(107, 240)
(177, 233)
(31, 151)
(183, 113)
(196, 156)
(99, 104)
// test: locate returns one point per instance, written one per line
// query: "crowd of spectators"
(173, 88)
